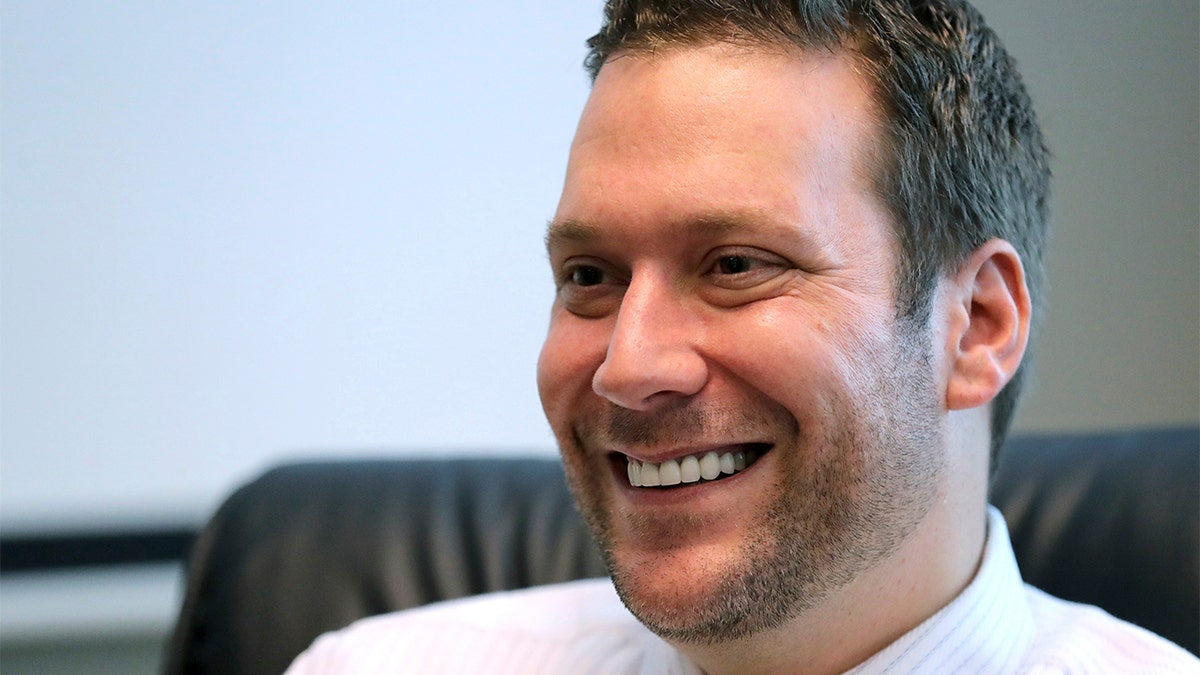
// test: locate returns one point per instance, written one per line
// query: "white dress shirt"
(996, 625)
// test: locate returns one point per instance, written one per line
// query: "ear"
(989, 326)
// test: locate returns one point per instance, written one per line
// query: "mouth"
(704, 467)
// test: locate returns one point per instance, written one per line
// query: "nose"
(652, 355)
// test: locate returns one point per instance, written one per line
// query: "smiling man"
(726, 296)
(797, 259)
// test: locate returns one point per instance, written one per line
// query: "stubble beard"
(844, 501)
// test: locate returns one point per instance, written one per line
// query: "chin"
(710, 600)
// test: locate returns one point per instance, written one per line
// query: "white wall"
(1117, 86)
(238, 232)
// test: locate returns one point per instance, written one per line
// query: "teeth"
(727, 465)
(668, 473)
(690, 469)
(649, 475)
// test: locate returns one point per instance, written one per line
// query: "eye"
(590, 288)
(587, 275)
(734, 264)
(744, 268)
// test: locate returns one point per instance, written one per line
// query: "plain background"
(238, 233)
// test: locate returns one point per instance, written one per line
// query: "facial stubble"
(850, 492)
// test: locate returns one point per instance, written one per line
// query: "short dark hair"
(964, 160)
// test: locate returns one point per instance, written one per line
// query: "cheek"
(782, 351)
(796, 376)
(803, 359)
(573, 350)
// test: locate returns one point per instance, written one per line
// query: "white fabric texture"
(996, 625)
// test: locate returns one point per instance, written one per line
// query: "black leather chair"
(1108, 519)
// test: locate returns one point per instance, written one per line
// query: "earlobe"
(990, 329)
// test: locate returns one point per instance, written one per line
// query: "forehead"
(689, 134)
(703, 87)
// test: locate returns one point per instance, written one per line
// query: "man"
(797, 260)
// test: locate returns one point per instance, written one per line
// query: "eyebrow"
(570, 230)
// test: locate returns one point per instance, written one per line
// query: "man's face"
(725, 299)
